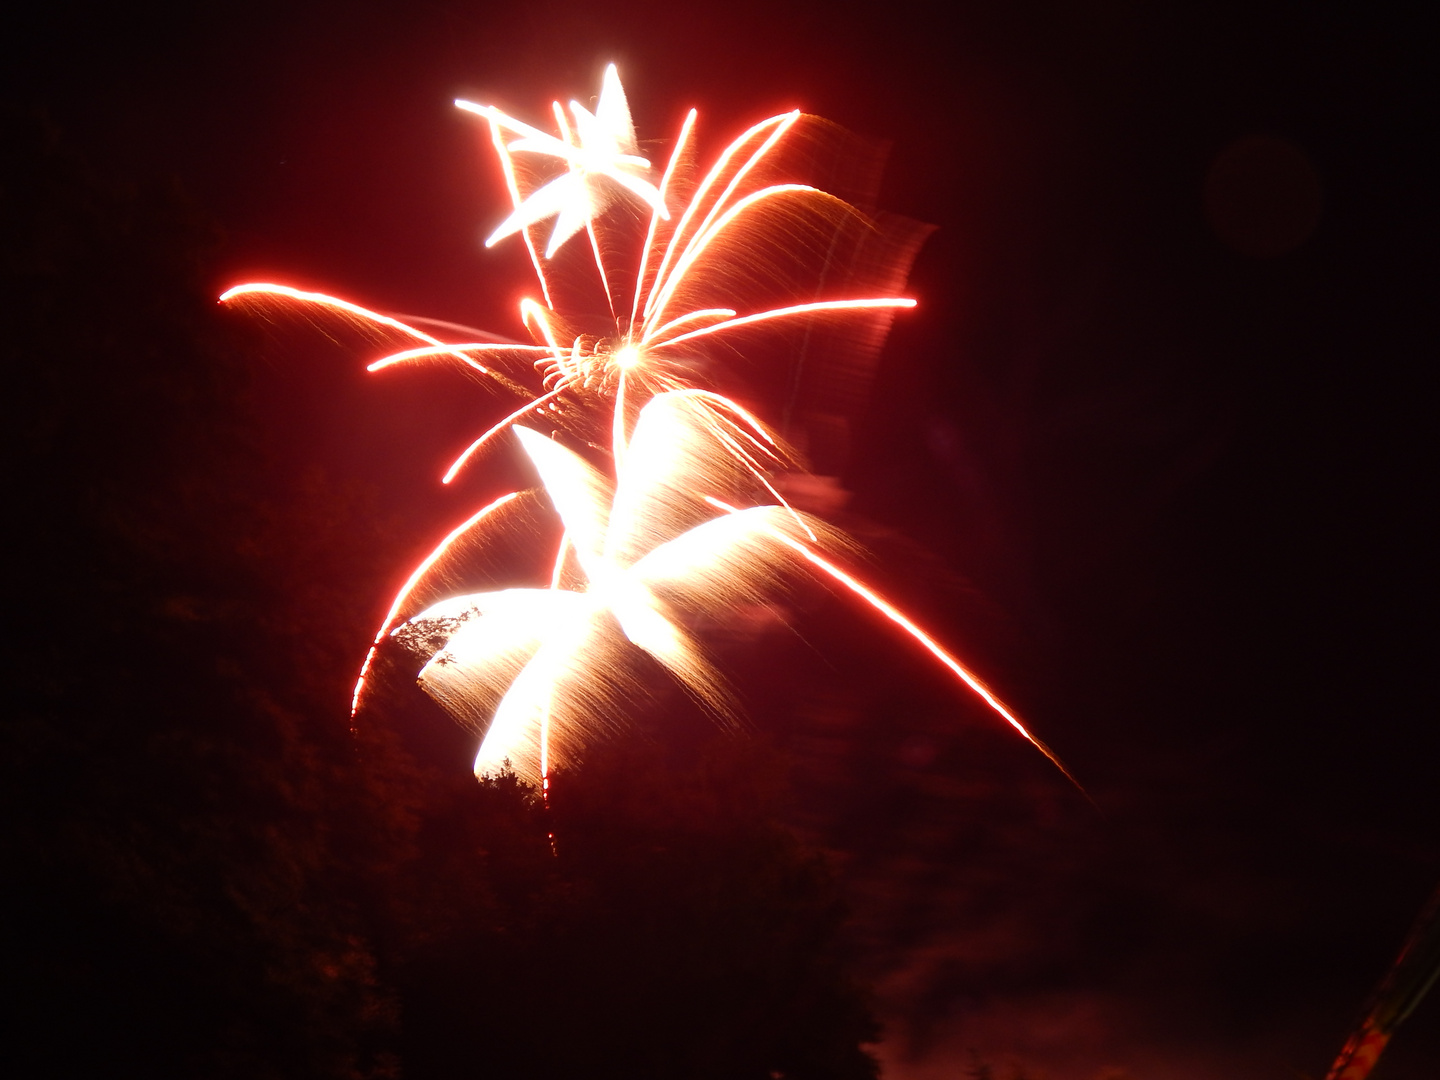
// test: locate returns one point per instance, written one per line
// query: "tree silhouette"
(672, 930)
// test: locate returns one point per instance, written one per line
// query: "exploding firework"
(729, 267)
(753, 262)
(641, 557)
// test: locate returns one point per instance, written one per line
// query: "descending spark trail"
(528, 407)
(409, 587)
(722, 256)
(900, 619)
(459, 352)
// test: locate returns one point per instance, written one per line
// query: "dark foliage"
(205, 874)
(673, 930)
(177, 894)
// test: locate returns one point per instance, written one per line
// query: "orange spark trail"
(452, 349)
(414, 579)
(782, 123)
(470, 450)
(265, 288)
(438, 347)
(696, 246)
(685, 129)
(796, 309)
(689, 316)
(898, 617)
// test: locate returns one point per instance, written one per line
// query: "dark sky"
(1163, 416)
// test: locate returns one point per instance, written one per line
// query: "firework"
(727, 263)
(641, 556)
(683, 298)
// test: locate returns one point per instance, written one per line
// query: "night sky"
(1155, 448)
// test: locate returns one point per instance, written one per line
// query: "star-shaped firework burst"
(599, 151)
(532, 667)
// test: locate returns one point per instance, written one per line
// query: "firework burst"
(642, 556)
(751, 262)
(684, 278)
